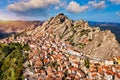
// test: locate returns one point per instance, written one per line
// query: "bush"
(87, 63)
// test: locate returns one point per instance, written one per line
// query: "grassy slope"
(12, 60)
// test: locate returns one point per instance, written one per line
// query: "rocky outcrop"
(104, 45)
(113, 27)
(90, 40)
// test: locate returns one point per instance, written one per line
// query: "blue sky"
(90, 10)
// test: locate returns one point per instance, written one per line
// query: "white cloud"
(7, 15)
(115, 1)
(31, 4)
(57, 7)
(74, 7)
(36, 8)
(98, 5)
(62, 4)
(118, 13)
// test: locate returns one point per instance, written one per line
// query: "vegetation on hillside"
(11, 61)
(71, 35)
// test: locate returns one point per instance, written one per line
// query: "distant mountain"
(11, 27)
(113, 27)
(95, 23)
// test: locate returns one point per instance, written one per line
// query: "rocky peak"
(56, 23)
(81, 23)
(60, 18)
(90, 40)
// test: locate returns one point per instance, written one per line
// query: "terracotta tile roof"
(74, 69)
(110, 72)
(100, 70)
(45, 60)
(85, 79)
(94, 74)
(58, 78)
(39, 78)
(71, 76)
(72, 57)
(117, 67)
(105, 67)
(81, 73)
(38, 63)
(118, 76)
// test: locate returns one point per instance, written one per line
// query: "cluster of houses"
(53, 59)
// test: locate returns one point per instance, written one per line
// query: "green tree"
(87, 63)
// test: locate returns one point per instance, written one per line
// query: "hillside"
(11, 61)
(82, 37)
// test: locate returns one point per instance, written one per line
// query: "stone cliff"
(82, 37)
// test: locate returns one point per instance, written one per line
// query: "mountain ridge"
(81, 36)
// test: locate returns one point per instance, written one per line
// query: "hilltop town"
(52, 57)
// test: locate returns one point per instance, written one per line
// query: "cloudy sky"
(90, 10)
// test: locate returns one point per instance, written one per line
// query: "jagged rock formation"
(104, 45)
(90, 40)
(113, 27)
